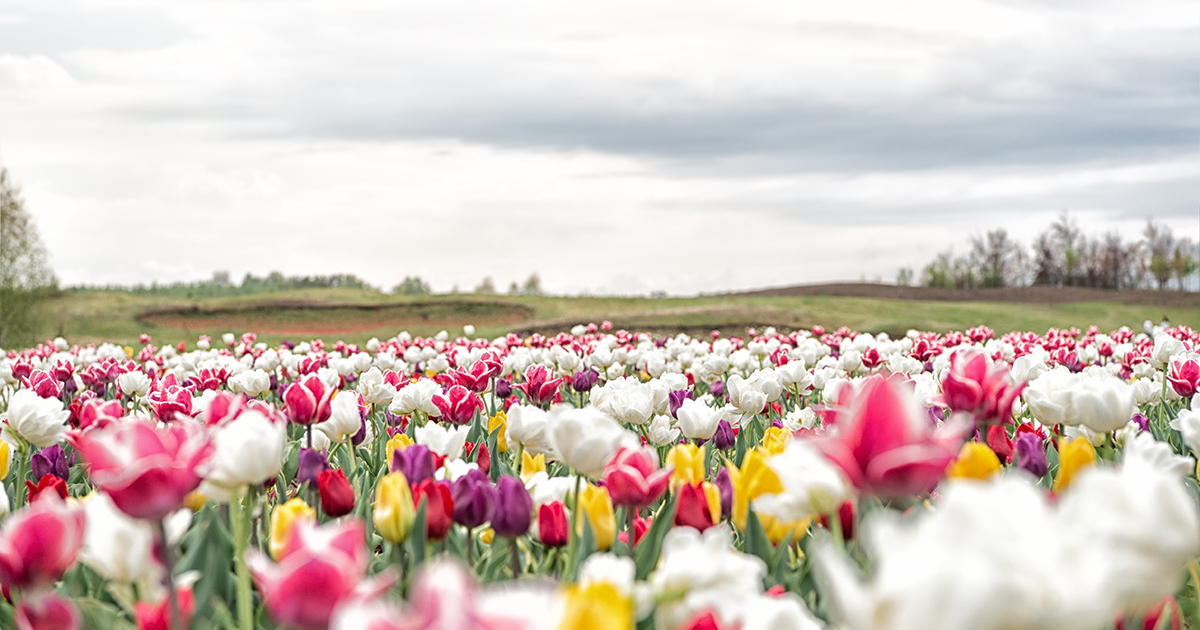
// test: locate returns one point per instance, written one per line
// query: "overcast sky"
(612, 146)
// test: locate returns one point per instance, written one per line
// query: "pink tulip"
(320, 568)
(308, 400)
(1184, 377)
(146, 471)
(634, 479)
(977, 386)
(47, 611)
(538, 387)
(44, 384)
(39, 543)
(884, 442)
(476, 377)
(169, 400)
(457, 405)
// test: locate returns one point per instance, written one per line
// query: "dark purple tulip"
(1141, 421)
(50, 461)
(359, 436)
(474, 499)
(717, 389)
(416, 462)
(675, 399)
(1031, 455)
(584, 381)
(503, 388)
(310, 463)
(514, 508)
(724, 439)
(725, 485)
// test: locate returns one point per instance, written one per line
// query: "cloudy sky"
(612, 146)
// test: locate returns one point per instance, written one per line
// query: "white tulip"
(40, 421)
(249, 450)
(585, 439)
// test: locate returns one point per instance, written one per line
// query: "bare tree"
(25, 271)
(1159, 245)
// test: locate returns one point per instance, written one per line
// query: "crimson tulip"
(49, 484)
(1184, 377)
(634, 479)
(975, 385)
(38, 544)
(169, 400)
(457, 405)
(694, 506)
(308, 400)
(439, 507)
(337, 497)
(552, 524)
(158, 616)
(538, 387)
(47, 611)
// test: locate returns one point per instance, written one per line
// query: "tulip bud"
(699, 506)
(474, 499)
(597, 506)
(311, 463)
(284, 519)
(503, 388)
(552, 524)
(158, 616)
(1000, 443)
(725, 485)
(394, 512)
(724, 439)
(514, 508)
(1073, 456)
(1031, 455)
(633, 478)
(483, 458)
(38, 544)
(416, 462)
(585, 380)
(49, 483)
(50, 461)
(337, 497)
(717, 389)
(397, 442)
(975, 461)
(439, 507)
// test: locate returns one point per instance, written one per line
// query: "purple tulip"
(416, 462)
(474, 499)
(717, 389)
(514, 508)
(360, 435)
(50, 460)
(503, 388)
(1031, 455)
(724, 439)
(1141, 421)
(675, 399)
(725, 485)
(310, 463)
(584, 381)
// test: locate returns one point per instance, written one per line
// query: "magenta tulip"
(39, 543)
(457, 405)
(308, 401)
(975, 385)
(633, 478)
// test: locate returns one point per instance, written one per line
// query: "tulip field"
(605, 478)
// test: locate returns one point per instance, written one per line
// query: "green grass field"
(356, 315)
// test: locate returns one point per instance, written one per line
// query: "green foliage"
(412, 285)
(25, 274)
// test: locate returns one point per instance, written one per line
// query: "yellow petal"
(975, 461)
(597, 507)
(499, 421)
(597, 606)
(394, 512)
(688, 460)
(532, 465)
(283, 521)
(399, 442)
(1073, 456)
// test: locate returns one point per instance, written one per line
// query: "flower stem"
(243, 507)
(168, 560)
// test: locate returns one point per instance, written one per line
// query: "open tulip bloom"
(605, 479)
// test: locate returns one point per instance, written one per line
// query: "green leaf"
(755, 539)
(416, 539)
(97, 615)
(646, 554)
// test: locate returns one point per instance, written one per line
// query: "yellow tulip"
(688, 460)
(194, 501)
(499, 421)
(775, 439)
(597, 606)
(532, 465)
(283, 521)
(399, 442)
(1073, 456)
(5, 455)
(777, 530)
(394, 511)
(754, 479)
(597, 506)
(713, 495)
(975, 461)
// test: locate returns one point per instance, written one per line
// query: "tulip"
(532, 465)
(597, 506)
(552, 524)
(585, 438)
(476, 377)
(394, 512)
(48, 483)
(439, 507)
(158, 616)
(48, 611)
(147, 472)
(458, 404)
(44, 385)
(775, 440)
(633, 478)
(38, 544)
(514, 508)
(687, 464)
(284, 519)
(724, 438)
(347, 411)
(309, 400)
(416, 462)
(169, 400)
(585, 380)
(1184, 377)
(1073, 456)
(1030, 454)
(337, 497)
(975, 385)
(310, 464)
(703, 621)
(596, 605)
(754, 479)
(975, 461)
(884, 443)
(50, 461)
(474, 499)
(503, 389)
(724, 483)
(39, 421)
(698, 421)
(96, 412)
(397, 442)
(538, 388)
(845, 520)
(699, 506)
(999, 442)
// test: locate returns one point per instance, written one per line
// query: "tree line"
(1062, 255)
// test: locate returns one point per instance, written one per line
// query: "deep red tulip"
(552, 524)
(633, 478)
(337, 496)
(1184, 377)
(693, 508)
(308, 400)
(44, 384)
(48, 483)
(169, 400)
(439, 507)
(38, 544)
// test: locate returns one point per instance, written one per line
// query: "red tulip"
(884, 442)
(308, 400)
(476, 377)
(38, 544)
(634, 479)
(552, 524)
(694, 509)
(320, 568)
(975, 385)
(457, 405)
(337, 497)
(439, 507)
(158, 616)
(48, 482)
(702, 621)
(47, 611)
(147, 471)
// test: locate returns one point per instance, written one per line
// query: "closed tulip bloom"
(416, 462)
(148, 472)
(394, 512)
(284, 519)
(309, 400)
(474, 499)
(724, 438)
(458, 404)
(634, 479)
(498, 424)
(1031, 454)
(539, 388)
(699, 506)
(585, 380)
(514, 508)
(754, 479)
(169, 400)
(397, 442)
(48, 484)
(158, 616)
(38, 544)
(48, 611)
(975, 461)
(439, 507)
(687, 464)
(1073, 456)
(310, 464)
(50, 461)
(552, 524)
(696, 419)
(44, 384)
(337, 497)
(1184, 377)
(597, 507)
(975, 385)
